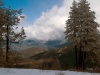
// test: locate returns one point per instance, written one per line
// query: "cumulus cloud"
(50, 25)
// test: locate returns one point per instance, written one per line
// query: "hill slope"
(26, 53)
(62, 58)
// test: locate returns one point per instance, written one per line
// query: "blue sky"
(32, 8)
(45, 19)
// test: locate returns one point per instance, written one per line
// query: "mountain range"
(46, 45)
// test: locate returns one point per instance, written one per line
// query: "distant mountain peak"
(50, 44)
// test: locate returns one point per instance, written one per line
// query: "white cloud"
(95, 6)
(50, 25)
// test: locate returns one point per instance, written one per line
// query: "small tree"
(9, 24)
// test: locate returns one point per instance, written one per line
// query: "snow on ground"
(6, 71)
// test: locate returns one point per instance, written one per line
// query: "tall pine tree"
(82, 31)
(72, 28)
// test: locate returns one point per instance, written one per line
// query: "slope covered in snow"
(6, 71)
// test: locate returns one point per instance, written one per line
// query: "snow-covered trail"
(6, 71)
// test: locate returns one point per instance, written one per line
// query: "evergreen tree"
(82, 31)
(89, 34)
(72, 29)
(8, 25)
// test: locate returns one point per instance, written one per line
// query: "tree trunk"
(84, 60)
(76, 58)
(80, 59)
(7, 46)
